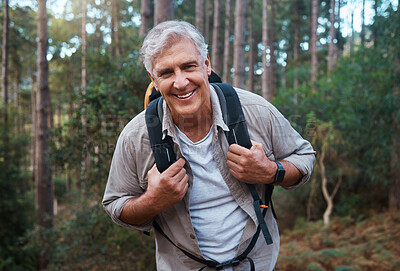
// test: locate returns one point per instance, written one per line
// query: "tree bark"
(239, 44)
(86, 157)
(331, 49)
(363, 24)
(313, 45)
(163, 11)
(339, 34)
(352, 31)
(43, 178)
(215, 40)
(328, 197)
(394, 192)
(375, 29)
(265, 41)
(250, 75)
(115, 38)
(227, 44)
(200, 15)
(145, 14)
(207, 19)
(4, 69)
(296, 44)
(271, 39)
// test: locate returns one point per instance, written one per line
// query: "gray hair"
(163, 34)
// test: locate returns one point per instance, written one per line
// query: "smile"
(185, 96)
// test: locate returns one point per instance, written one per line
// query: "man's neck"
(195, 127)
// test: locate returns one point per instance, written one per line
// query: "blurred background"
(72, 78)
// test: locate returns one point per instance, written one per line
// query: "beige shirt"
(133, 159)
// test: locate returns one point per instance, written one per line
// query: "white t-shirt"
(217, 219)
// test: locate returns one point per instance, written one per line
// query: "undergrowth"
(348, 244)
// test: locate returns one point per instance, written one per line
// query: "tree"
(86, 160)
(215, 41)
(250, 76)
(115, 37)
(265, 91)
(272, 62)
(4, 65)
(313, 43)
(163, 11)
(227, 44)
(43, 178)
(145, 14)
(331, 50)
(296, 34)
(239, 44)
(200, 15)
(363, 24)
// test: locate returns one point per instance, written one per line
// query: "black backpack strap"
(214, 264)
(163, 150)
(238, 134)
(234, 117)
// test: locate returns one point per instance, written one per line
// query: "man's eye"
(165, 74)
(188, 67)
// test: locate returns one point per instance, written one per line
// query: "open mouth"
(185, 96)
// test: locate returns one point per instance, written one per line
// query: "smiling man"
(201, 204)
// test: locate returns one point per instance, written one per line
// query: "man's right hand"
(163, 190)
(167, 188)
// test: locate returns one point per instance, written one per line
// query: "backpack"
(238, 134)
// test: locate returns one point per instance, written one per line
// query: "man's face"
(181, 75)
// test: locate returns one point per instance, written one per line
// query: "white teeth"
(185, 96)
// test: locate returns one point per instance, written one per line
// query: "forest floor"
(371, 243)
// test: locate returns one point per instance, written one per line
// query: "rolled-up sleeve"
(123, 183)
(289, 145)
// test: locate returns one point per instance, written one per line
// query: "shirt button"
(192, 236)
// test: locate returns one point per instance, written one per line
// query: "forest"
(71, 78)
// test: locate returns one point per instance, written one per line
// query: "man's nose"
(181, 80)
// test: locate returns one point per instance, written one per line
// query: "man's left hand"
(251, 165)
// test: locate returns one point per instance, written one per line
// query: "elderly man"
(201, 203)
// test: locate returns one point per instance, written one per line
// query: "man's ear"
(208, 64)
(153, 81)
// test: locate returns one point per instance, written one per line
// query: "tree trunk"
(33, 140)
(339, 34)
(250, 75)
(215, 40)
(313, 45)
(227, 44)
(4, 69)
(207, 19)
(200, 15)
(375, 29)
(86, 157)
(352, 31)
(394, 192)
(239, 44)
(115, 38)
(265, 41)
(363, 24)
(163, 11)
(328, 198)
(331, 49)
(43, 178)
(272, 65)
(296, 44)
(145, 14)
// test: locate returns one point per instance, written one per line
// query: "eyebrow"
(165, 70)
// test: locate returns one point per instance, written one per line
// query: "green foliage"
(86, 239)
(16, 208)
